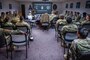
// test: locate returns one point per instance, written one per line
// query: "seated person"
(87, 20)
(69, 27)
(44, 18)
(79, 45)
(15, 18)
(53, 15)
(82, 44)
(7, 22)
(61, 20)
(23, 23)
(30, 16)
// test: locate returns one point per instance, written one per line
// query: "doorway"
(23, 10)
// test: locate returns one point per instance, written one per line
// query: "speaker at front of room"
(54, 7)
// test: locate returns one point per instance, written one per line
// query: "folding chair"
(19, 39)
(26, 30)
(58, 30)
(4, 42)
(87, 26)
(45, 25)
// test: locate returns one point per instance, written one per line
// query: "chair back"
(23, 28)
(87, 26)
(70, 36)
(19, 39)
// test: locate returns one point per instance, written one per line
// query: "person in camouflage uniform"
(69, 27)
(87, 20)
(61, 21)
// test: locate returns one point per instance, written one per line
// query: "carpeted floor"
(44, 47)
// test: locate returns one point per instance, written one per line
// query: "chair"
(69, 37)
(58, 30)
(45, 21)
(4, 42)
(45, 25)
(26, 30)
(19, 39)
(87, 26)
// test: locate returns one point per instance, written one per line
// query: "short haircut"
(83, 32)
(69, 20)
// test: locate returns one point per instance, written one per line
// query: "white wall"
(81, 9)
(5, 5)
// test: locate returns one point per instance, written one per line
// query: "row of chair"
(70, 36)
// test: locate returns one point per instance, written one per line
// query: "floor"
(44, 47)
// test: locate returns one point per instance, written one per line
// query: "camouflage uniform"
(85, 22)
(44, 18)
(69, 28)
(23, 23)
(61, 21)
(82, 44)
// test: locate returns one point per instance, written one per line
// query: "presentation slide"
(42, 7)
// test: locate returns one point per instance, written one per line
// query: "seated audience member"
(44, 18)
(15, 18)
(61, 20)
(83, 18)
(69, 27)
(53, 15)
(2, 16)
(7, 22)
(77, 17)
(23, 23)
(87, 19)
(79, 45)
(82, 44)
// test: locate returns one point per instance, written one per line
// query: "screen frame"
(42, 3)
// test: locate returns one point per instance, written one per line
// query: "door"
(23, 10)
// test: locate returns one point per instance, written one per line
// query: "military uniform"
(51, 17)
(61, 21)
(69, 28)
(23, 23)
(85, 22)
(44, 18)
(82, 44)
(15, 19)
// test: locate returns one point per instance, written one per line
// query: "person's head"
(82, 33)
(61, 16)
(84, 14)
(7, 13)
(88, 17)
(69, 20)
(2, 14)
(6, 19)
(21, 18)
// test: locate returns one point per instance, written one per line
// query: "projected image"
(42, 7)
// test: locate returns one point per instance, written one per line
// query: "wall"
(59, 6)
(5, 5)
(81, 9)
